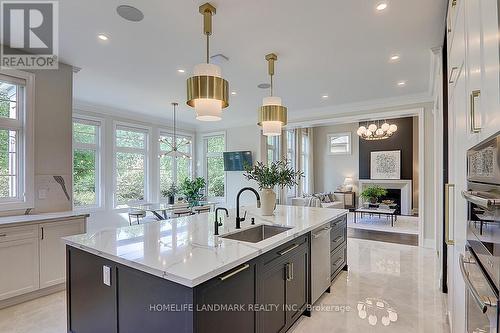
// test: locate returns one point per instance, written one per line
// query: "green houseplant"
(278, 173)
(192, 189)
(170, 193)
(372, 193)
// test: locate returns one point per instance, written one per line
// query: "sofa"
(324, 200)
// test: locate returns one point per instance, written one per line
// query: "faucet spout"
(216, 223)
(238, 218)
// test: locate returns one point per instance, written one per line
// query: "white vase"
(267, 201)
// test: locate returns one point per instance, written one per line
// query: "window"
(214, 146)
(273, 149)
(175, 170)
(304, 161)
(339, 143)
(131, 165)
(15, 134)
(290, 157)
(86, 163)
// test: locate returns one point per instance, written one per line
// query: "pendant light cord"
(271, 85)
(208, 48)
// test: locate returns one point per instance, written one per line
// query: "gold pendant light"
(207, 91)
(272, 115)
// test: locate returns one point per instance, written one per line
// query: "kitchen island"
(176, 276)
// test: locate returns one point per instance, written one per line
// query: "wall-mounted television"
(237, 160)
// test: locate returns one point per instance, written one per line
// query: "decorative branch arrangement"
(279, 173)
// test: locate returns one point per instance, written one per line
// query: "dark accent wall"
(401, 140)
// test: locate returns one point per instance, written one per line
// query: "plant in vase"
(170, 193)
(373, 193)
(192, 190)
(278, 173)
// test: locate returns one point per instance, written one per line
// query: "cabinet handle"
(42, 233)
(473, 126)
(291, 248)
(3, 235)
(454, 3)
(233, 273)
(337, 239)
(453, 69)
(447, 188)
(289, 271)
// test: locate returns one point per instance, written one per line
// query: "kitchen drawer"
(285, 249)
(338, 234)
(18, 233)
(339, 222)
(338, 260)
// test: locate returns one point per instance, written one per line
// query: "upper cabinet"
(473, 51)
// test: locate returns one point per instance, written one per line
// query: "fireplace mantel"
(399, 184)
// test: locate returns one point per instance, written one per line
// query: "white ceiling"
(338, 48)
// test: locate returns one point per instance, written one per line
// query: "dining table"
(160, 209)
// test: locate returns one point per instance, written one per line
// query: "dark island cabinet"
(283, 286)
(264, 295)
(225, 303)
(338, 246)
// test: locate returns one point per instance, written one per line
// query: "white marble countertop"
(185, 250)
(9, 221)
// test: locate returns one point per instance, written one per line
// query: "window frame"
(336, 135)
(99, 149)
(117, 125)
(274, 147)
(24, 125)
(291, 159)
(304, 158)
(190, 136)
(206, 154)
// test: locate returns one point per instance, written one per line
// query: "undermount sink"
(257, 233)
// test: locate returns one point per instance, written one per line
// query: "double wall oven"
(480, 265)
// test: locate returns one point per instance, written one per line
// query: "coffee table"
(380, 211)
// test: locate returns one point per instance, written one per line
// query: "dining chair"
(182, 212)
(137, 214)
(201, 209)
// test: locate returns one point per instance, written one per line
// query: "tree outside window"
(214, 165)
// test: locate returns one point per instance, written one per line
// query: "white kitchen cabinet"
(456, 55)
(483, 111)
(52, 249)
(453, 6)
(19, 264)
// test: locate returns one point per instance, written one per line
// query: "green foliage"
(170, 191)
(373, 192)
(192, 189)
(278, 173)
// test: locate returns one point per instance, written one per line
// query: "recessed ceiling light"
(103, 37)
(381, 6)
(402, 83)
(180, 70)
(233, 92)
(395, 57)
(324, 96)
(130, 13)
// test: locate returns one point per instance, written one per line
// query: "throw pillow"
(332, 197)
(327, 199)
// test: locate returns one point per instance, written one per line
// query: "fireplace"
(394, 195)
(399, 190)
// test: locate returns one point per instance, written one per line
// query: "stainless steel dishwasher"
(320, 261)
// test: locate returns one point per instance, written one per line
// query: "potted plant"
(279, 173)
(170, 193)
(372, 193)
(192, 190)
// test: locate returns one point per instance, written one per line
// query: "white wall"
(237, 139)
(331, 170)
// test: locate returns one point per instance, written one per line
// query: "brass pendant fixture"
(207, 91)
(272, 115)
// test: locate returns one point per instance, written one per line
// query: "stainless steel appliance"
(320, 262)
(481, 264)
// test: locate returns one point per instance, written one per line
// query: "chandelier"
(272, 115)
(174, 145)
(376, 131)
(207, 91)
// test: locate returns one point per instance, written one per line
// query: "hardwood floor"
(382, 236)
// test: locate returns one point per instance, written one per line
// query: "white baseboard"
(32, 295)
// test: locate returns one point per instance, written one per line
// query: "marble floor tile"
(388, 288)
